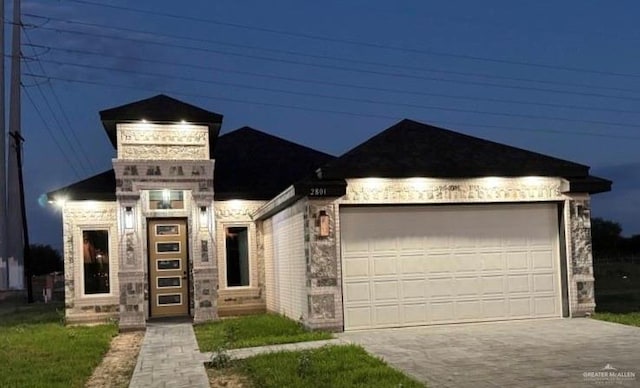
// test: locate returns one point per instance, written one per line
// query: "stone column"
(131, 271)
(581, 280)
(204, 270)
(324, 278)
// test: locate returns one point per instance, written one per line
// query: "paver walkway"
(243, 353)
(533, 353)
(169, 357)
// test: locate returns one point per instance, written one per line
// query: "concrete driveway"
(577, 352)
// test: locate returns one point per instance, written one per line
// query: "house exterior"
(418, 225)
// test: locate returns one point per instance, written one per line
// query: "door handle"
(184, 275)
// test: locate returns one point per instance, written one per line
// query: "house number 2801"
(316, 191)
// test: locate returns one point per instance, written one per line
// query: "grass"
(632, 319)
(37, 350)
(253, 330)
(329, 366)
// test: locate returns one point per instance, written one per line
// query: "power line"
(331, 83)
(342, 68)
(55, 140)
(318, 110)
(328, 57)
(343, 98)
(147, 12)
(62, 128)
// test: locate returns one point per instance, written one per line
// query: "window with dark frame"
(95, 252)
(237, 247)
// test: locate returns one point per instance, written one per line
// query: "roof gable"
(160, 109)
(251, 164)
(413, 149)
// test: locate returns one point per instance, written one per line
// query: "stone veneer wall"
(76, 217)
(324, 273)
(238, 300)
(323, 253)
(133, 180)
(581, 292)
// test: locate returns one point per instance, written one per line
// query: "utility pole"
(15, 237)
(18, 139)
(4, 259)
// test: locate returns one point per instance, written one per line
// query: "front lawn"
(37, 350)
(632, 319)
(329, 366)
(253, 330)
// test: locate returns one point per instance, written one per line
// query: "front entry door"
(168, 267)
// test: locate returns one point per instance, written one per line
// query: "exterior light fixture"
(128, 217)
(204, 217)
(323, 220)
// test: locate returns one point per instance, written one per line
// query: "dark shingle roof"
(254, 165)
(160, 109)
(413, 149)
(101, 187)
(249, 165)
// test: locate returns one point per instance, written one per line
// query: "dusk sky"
(557, 77)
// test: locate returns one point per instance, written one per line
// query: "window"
(166, 199)
(95, 248)
(237, 244)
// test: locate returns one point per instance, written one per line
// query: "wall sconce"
(324, 223)
(204, 217)
(128, 217)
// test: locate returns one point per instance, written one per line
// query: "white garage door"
(418, 265)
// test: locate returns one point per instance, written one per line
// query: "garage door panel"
(441, 287)
(441, 311)
(494, 308)
(468, 310)
(492, 285)
(542, 260)
(384, 243)
(384, 265)
(357, 292)
(466, 262)
(467, 286)
(386, 314)
(518, 284)
(414, 289)
(412, 264)
(543, 283)
(356, 267)
(493, 261)
(439, 264)
(414, 313)
(520, 307)
(545, 305)
(358, 317)
(385, 291)
(517, 260)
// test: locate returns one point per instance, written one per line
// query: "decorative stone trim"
(430, 190)
(79, 216)
(174, 141)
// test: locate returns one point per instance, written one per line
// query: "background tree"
(606, 237)
(45, 259)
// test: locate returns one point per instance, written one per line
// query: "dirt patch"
(226, 378)
(118, 364)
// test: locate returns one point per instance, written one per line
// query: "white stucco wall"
(290, 263)
(269, 266)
